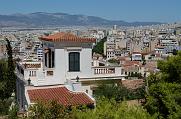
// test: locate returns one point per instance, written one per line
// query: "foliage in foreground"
(4, 106)
(165, 98)
(164, 95)
(49, 110)
(119, 92)
(7, 81)
(110, 109)
(105, 109)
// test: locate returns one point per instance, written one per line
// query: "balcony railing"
(104, 70)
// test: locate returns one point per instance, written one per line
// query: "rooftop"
(62, 37)
(60, 94)
(130, 63)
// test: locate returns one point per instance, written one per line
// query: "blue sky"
(128, 10)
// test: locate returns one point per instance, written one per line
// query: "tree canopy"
(164, 96)
(105, 109)
(171, 69)
(7, 80)
(117, 91)
(99, 47)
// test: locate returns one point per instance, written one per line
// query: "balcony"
(107, 71)
(104, 70)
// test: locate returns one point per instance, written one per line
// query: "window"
(53, 58)
(122, 71)
(32, 73)
(46, 59)
(49, 59)
(93, 92)
(92, 63)
(49, 73)
(74, 61)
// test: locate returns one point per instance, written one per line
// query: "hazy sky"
(128, 10)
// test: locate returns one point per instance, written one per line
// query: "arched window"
(74, 61)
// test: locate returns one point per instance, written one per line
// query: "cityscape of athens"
(93, 59)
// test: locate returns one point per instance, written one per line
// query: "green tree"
(105, 109)
(171, 69)
(117, 91)
(110, 109)
(3, 71)
(113, 61)
(49, 110)
(12, 114)
(164, 89)
(165, 99)
(9, 78)
(99, 47)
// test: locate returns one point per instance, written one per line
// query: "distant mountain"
(42, 19)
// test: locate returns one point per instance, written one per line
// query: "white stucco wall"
(85, 64)
(61, 70)
(60, 65)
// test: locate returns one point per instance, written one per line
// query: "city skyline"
(127, 10)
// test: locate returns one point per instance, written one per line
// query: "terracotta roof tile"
(150, 66)
(122, 58)
(62, 36)
(60, 94)
(131, 63)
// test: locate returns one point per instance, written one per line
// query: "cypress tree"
(10, 77)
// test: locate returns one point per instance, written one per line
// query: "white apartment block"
(40, 53)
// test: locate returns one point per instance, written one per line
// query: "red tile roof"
(121, 58)
(60, 94)
(150, 66)
(131, 63)
(62, 36)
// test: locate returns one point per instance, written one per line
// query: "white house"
(67, 62)
(136, 56)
